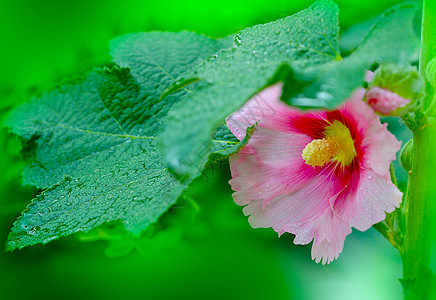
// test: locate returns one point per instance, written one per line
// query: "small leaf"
(225, 133)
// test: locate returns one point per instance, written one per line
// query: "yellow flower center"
(338, 145)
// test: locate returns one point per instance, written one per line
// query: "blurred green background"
(204, 247)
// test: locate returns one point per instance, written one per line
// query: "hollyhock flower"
(313, 174)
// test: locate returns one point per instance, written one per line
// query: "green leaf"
(390, 40)
(232, 76)
(92, 146)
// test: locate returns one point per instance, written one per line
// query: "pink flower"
(313, 174)
(385, 101)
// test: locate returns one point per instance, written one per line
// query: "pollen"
(338, 146)
(320, 151)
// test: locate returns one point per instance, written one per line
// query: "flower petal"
(330, 237)
(270, 165)
(378, 144)
(296, 212)
(374, 197)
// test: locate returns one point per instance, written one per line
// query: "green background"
(202, 248)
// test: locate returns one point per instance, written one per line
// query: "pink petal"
(375, 197)
(296, 212)
(381, 149)
(270, 165)
(330, 237)
(379, 145)
(279, 149)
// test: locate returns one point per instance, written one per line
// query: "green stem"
(420, 199)
(421, 194)
(428, 47)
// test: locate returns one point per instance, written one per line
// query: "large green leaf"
(92, 145)
(301, 50)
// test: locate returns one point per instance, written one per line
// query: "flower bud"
(395, 90)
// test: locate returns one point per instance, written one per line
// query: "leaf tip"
(11, 245)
